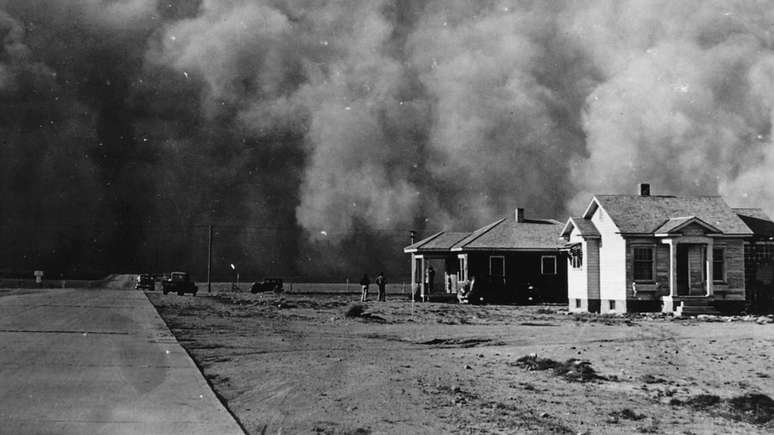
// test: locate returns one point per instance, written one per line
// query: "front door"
(682, 270)
(691, 270)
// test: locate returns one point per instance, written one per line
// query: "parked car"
(145, 281)
(179, 282)
(267, 285)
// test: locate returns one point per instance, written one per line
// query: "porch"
(692, 270)
(434, 276)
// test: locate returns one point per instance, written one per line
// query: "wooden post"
(209, 259)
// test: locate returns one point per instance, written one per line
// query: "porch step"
(695, 307)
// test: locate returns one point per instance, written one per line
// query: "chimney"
(519, 215)
(644, 189)
(412, 236)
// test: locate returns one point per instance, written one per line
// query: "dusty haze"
(315, 134)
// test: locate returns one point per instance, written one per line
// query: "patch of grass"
(572, 370)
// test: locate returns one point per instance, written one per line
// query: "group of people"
(381, 285)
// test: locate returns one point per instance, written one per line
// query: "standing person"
(365, 282)
(381, 283)
(429, 280)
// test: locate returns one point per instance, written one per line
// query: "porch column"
(672, 267)
(422, 279)
(709, 258)
(412, 284)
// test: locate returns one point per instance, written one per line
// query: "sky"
(315, 134)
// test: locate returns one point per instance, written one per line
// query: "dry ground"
(298, 364)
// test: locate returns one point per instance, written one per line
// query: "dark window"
(643, 263)
(497, 266)
(577, 303)
(612, 305)
(576, 257)
(548, 265)
(719, 264)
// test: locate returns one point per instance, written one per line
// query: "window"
(461, 271)
(497, 266)
(719, 264)
(576, 257)
(612, 305)
(577, 303)
(643, 263)
(548, 265)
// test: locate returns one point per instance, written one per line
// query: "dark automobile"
(267, 285)
(145, 281)
(179, 282)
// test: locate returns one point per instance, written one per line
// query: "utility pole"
(209, 259)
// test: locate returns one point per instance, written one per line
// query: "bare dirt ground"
(300, 364)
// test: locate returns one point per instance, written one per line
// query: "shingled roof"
(508, 234)
(637, 214)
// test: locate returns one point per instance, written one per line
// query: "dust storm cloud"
(315, 134)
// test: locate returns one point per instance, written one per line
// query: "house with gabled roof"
(514, 259)
(683, 254)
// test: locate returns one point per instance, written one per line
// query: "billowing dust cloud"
(315, 134)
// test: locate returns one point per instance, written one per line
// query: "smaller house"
(683, 254)
(514, 259)
(758, 260)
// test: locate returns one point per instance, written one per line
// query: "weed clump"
(754, 408)
(355, 310)
(572, 370)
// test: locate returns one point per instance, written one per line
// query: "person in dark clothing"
(364, 282)
(381, 283)
(429, 280)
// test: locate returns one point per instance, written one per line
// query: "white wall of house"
(612, 259)
(577, 281)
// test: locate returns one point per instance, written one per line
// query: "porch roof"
(636, 214)
(438, 242)
(585, 227)
(674, 224)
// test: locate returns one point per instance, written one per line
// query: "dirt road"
(299, 364)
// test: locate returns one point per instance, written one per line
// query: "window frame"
(502, 259)
(542, 265)
(652, 249)
(723, 263)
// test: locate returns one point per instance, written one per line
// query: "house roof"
(508, 234)
(585, 227)
(757, 220)
(636, 214)
(442, 241)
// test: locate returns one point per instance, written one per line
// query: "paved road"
(98, 361)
